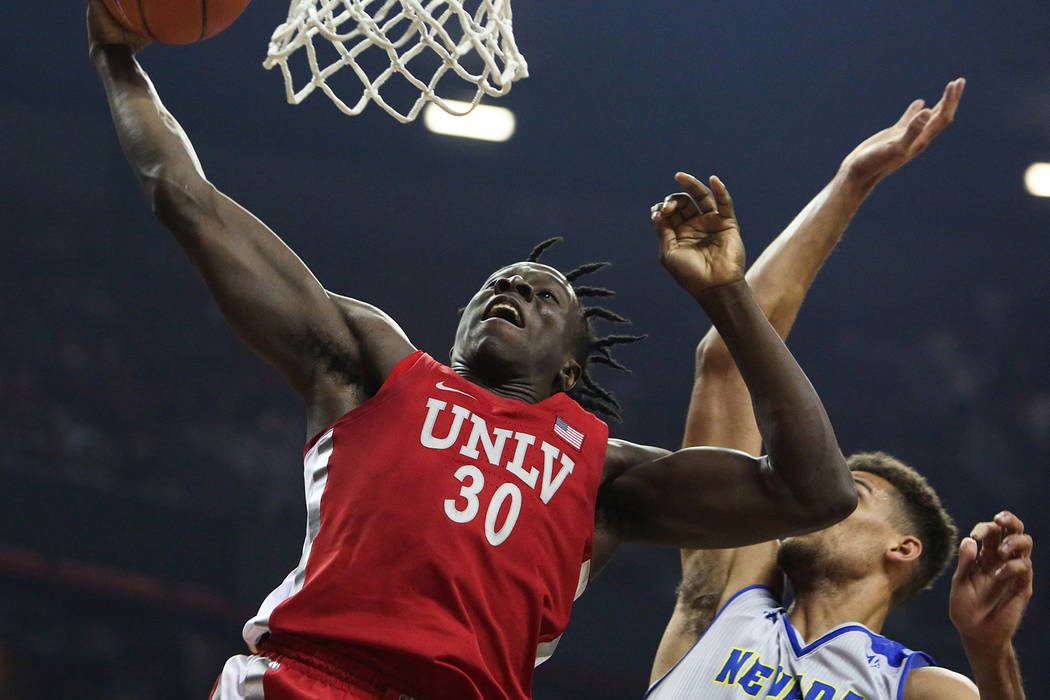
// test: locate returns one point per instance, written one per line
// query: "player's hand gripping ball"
(176, 21)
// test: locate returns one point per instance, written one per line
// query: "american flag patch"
(568, 433)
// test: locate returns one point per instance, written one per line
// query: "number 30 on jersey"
(473, 481)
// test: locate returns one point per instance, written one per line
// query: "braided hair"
(591, 348)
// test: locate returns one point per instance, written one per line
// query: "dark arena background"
(150, 466)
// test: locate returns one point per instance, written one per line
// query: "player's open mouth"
(506, 310)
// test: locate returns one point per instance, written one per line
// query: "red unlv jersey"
(449, 531)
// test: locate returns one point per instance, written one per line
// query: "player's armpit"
(381, 343)
(264, 290)
(620, 455)
(710, 577)
(936, 683)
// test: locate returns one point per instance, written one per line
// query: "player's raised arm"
(720, 412)
(265, 291)
(706, 497)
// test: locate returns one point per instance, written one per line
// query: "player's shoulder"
(379, 344)
(633, 452)
(366, 318)
(623, 454)
(938, 683)
(748, 596)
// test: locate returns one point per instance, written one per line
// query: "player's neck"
(517, 388)
(824, 605)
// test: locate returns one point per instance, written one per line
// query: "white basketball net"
(403, 29)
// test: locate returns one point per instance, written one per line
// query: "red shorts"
(276, 676)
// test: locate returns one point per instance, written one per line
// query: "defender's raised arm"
(720, 411)
(265, 291)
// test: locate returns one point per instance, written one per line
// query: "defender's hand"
(993, 583)
(699, 236)
(104, 30)
(881, 154)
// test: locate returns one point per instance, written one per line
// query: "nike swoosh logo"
(441, 385)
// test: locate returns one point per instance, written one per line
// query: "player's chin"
(500, 345)
(803, 545)
(795, 554)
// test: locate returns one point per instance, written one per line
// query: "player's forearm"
(785, 271)
(783, 274)
(791, 418)
(153, 142)
(264, 290)
(720, 409)
(996, 672)
(720, 412)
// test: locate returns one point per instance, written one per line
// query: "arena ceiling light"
(486, 122)
(1037, 179)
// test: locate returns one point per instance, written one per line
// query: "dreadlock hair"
(590, 347)
(920, 513)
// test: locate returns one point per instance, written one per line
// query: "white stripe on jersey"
(751, 650)
(242, 678)
(545, 650)
(315, 474)
(585, 577)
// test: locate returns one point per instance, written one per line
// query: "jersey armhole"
(400, 369)
(402, 366)
(711, 624)
(917, 659)
(745, 589)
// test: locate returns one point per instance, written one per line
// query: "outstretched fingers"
(949, 102)
(912, 110)
(942, 114)
(915, 129)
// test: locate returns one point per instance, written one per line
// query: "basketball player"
(847, 578)
(454, 513)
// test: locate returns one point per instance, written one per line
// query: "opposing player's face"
(524, 320)
(852, 548)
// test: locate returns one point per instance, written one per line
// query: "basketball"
(176, 21)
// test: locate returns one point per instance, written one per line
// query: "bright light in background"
(1037, 179)
(486, 122)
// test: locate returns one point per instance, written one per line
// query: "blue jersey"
(750, 650)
